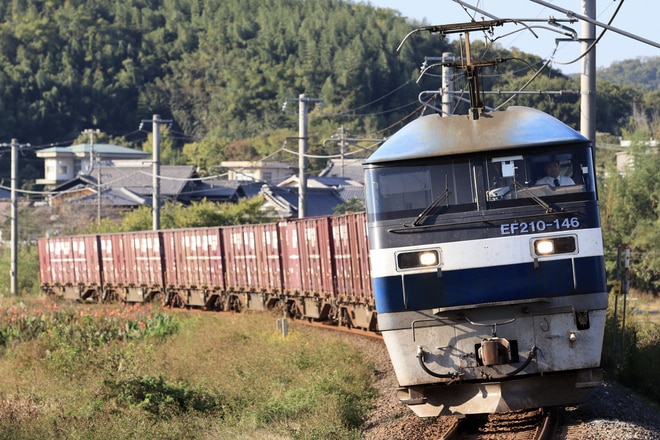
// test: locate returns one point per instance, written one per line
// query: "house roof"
(320, 182)
(351, 192)
(214, 190)
(126, 186)
(352, 169)
(320, 201)
(105, 150)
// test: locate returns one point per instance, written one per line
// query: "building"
(62, 164)
(267, 172)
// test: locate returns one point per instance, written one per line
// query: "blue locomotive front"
(488, 274)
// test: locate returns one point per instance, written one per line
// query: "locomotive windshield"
(479, 182)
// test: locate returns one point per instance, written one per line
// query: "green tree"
(200, 214)
(352, 205)
(631, 214)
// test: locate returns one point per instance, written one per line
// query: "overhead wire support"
(91, 132)
(343, 139)
(590, 20)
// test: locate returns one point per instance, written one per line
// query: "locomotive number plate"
(539, 226)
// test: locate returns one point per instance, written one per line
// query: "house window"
(63, 169)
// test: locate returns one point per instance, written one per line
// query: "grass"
(92, 372)
(631, 355)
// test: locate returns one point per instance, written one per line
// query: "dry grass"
(220, 376)
(643, 307)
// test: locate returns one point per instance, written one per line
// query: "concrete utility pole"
(91, 132)
(14, 145)
(588, 76)
(447, 85)
(303, 101)
(155, 208)
(14, 217)
(302, 152)
(156, 173)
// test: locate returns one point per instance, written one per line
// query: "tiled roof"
(139, 180)
(320, 201)
(130, 186)
(352, 169)
(351, 192)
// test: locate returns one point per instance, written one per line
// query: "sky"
(638, 17)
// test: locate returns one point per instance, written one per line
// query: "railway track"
(537, 424)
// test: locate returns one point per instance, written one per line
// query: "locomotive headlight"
(411, 260)
(544, 247)
(554, 245)
(429, 258)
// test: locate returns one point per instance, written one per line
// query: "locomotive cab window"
(560, 175)
(405, 190)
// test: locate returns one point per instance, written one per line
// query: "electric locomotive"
(489, 279)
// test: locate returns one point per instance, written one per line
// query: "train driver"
(553, 176)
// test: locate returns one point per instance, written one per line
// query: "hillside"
(641, 72)
(222, 69)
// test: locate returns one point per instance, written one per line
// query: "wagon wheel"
(277, 307)
(176, 301)
(159, 298)
(97, 296)
(333, 314)
(345, 319)
(234, 304)
(293, 311)
(109, 296)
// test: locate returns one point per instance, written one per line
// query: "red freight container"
(291, 274)
(363, 252)
(314, 253)
(45, 269)
(143, 258)
(193, 258)
(351, 257)
(86, 260)
(270, 256)
(60, 255)
(70, 266)
(252, 255)
(132, 259)
(112, 259)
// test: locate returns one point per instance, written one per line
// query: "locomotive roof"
(434, 135)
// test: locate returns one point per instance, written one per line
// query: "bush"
(162, 398)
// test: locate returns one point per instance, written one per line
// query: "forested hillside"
(636, 72)
(221, 70)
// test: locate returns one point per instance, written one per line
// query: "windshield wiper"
(543, 204)
(429, 209)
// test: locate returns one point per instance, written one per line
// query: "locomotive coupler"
(495, 351)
